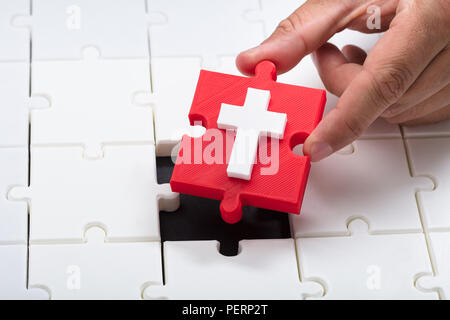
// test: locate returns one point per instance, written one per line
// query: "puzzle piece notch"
(430, 158)
(275, 185)
(84, 270)
(263, 269)
(365, 266)
(352, 183)
(75, 24)
(77, 105)
(127, 211)
(440, 282)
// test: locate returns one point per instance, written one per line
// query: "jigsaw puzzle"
(111, 84)
(280, 188)
(91, 269)
(263, 269)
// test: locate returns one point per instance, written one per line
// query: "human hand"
(405, 78)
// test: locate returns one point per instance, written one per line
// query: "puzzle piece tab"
(364, 266)
(13, 215)
(69, 194)
(263, 269)
(279, 176)
(95, 268)
(440, 246)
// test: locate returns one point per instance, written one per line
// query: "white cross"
(250, 122)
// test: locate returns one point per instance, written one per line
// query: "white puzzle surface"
(363, 266)
(345, 186)
(95, 269)
(69, 194)
(263, 269)
(15, 40)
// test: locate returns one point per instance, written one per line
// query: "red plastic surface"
(282, 191)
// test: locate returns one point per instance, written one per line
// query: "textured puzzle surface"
(94, 99)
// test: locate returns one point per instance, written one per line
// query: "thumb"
(305, 30)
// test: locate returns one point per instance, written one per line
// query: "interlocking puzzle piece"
(372, 182)
(95, 268)
(219, 29)
(118, 29)
(14, 105)
(364, 266)
(277, 184)
(119, 193)
(440, 246)
(15, 41)
(13, 216)
(263, 269)
(82, 111)
(431, 157)
(171, 109)
(440, 129)
(13, 274)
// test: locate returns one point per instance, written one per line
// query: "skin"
(405, 78)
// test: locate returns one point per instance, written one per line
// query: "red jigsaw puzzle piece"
(201, 168)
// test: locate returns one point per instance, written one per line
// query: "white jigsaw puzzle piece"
(431, 157)
(117, 28)
(263, 269)
(95, 269)
(373, 182)
(15, 40)
(440, 246)
(13, 274)
(119, 193)
(13, 215)
(14, 105)
(439, 129)
(173, 82)
(364, 266)
(91, 102)
(219, 29)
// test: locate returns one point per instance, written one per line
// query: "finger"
(437, 116)
(354, 54)
(301, 33)
(391, 67)
(334, 68)
(433, 79)
(429, 105)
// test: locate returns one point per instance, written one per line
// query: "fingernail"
(320, 150)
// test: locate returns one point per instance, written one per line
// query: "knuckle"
(286, 26)
(354, 127)
(391, 82)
